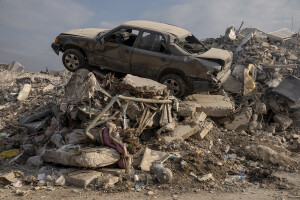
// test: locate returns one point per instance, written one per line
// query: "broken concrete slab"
(151, 156)
(244, 41)
(199, 117)
(280, 35)
(186, 110)
(23, 94)
(107, 181)
(232, 84)
(284, 121)
(183, 132)
(211, 105)
(10, 177)
(82, 178)
(82, 157)
(289, 88)
(16, 67)
(240, 120)
(205, 127)
(143, 85)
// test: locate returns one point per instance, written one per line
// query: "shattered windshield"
(191, 44)
(102, 32)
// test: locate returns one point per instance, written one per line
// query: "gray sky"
(28, 27)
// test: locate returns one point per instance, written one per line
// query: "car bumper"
(55, 47)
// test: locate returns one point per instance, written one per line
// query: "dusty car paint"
(207, 69)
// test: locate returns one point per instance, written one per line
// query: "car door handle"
(163, 59)
(127, 51)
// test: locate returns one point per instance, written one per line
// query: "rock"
(82, 178)
(23, 94)
(35, 161)
(284, 121)
(150, 193)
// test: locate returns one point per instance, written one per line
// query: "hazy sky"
(28, 27)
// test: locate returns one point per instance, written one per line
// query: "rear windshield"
(191, 44)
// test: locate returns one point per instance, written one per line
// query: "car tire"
(175, 84)
(73, 60)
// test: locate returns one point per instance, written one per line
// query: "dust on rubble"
(97, 131)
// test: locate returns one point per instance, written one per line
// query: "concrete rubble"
(130, 132)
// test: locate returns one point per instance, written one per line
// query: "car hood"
(86, 32)
(217, 54)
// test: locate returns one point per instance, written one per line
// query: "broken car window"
(152, 42)
(191, 44)
(124, 36)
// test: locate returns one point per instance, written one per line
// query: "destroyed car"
(162, 52)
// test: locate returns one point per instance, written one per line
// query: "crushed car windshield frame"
(191, 44)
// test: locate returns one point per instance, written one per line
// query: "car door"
(149, 55)
(116, 50)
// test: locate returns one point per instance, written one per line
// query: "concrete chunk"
(16, 67)
(82, 157)
(200, 117)
(283, 121)
(211, 105)
(281, 35)
(143, 85)
(23, 94)
(240, 120)
(183, 132)
(48, 88)
(205, 127)
(186, 110)
(82, 178)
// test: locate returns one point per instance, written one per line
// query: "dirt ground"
(289, 189)
(253, 192)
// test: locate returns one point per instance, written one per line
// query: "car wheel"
(175, 84)
(73, 59)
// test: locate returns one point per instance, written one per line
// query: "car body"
(162, 52)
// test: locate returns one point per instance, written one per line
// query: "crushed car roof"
(175, 30)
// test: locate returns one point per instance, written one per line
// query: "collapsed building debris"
(132, 131)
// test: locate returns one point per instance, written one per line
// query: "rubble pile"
(90, 129)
